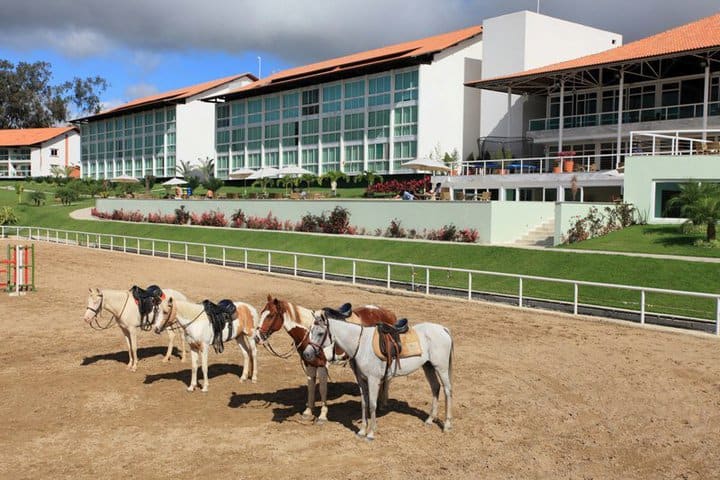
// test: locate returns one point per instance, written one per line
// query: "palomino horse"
(121, 305)
(297, 321)
(436, 361)
(191, 317)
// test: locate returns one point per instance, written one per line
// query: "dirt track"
(536, 395)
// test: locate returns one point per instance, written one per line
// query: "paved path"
(82, 214)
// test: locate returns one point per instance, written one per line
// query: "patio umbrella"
(174, 181)
(124, 179)
(426, 164)
(293, 170)
(240, 174)
(266, 172)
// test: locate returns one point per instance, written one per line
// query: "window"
(406, 86)
(355, 95)
(272, 159)
(405, 121)
(331, 98)
(254, 136)
(53, 152)
(272, 134)
(238, 114)
(310, 129)
(291, 102)
(331, 158)
(330, 125)
(354, 156)
(272, 109)
(405, 150)
(290, 158)
(310, 101)
(378, 124)
(310, 160)
(354, 127)
(379, 91)
(254, 108)
(290, 134)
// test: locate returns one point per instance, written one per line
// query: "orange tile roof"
(698, 35)
(173, 95)
(406, 50)
(25, 137)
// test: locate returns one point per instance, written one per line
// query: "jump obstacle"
(17, 271)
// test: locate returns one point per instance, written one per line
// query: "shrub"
(468, 235)
(238, 218)
(37, 197)
(182, 216)
(595, 223)
(337, 222)
(309, 223)
(209, 219)
(394, 230)
(8, 216)
(67, 194)
(264, 223)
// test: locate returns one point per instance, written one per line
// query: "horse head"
(318, 339)
(94, 305)
(168, 315)
(272, 317)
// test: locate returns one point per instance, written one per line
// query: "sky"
(147, 46)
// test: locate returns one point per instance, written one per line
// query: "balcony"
(676, 112)
(538, 165)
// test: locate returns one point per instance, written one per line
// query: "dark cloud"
(296, 31)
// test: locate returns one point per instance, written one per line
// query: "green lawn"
(669, 274)
(657, 239)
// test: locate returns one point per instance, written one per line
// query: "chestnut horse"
(297, 321)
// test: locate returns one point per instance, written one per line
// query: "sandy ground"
(536, 395)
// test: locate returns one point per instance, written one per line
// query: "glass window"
(406, 86)
(405, 150)
(310, 100)
(354, 126)
(254, 108)
(405, 121)
(355, 95)
(378, 124)
(331, 98)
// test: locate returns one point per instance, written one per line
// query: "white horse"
(436, 361)
(121, 305)
(191, 317)
(297, 321)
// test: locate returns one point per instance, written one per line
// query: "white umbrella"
(293, 170)
(426, 164)
(124, 179)
(240, 174)
(267, 172)
(175, 181)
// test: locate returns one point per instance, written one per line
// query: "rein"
(95, 322)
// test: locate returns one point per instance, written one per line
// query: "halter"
(317, 347)
(265, 337)
(97, 311)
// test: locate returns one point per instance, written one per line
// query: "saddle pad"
(409, 341)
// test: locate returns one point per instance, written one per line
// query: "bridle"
(171, 319)
(318, 347)
(265, 337)
(95, 321)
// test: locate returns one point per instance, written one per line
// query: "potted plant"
(566, 158)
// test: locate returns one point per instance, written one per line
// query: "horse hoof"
(320, 421)
(254, 380)
(360, 434)
(429, 421)
(307, 418)
(369, 439)
(191, 389)
(243, 380)
(447, 428)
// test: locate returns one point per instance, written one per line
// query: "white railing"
(550, 164)
(418, 276)
(673, 142)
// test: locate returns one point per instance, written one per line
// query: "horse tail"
(452, 353)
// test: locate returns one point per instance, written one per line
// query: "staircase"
(540, 236)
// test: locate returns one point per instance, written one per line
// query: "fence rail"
(522, 290)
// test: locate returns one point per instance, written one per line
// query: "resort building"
(573, 128)
(378, 109)
(151, 135)
(32, 152)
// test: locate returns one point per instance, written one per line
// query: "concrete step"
(539, 236)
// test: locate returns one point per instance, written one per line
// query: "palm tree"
(700, 204)
(332, 177)
(184, 169)
(308, 179)
(368, 176)
(207, 168)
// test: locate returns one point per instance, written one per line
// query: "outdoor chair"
(484, 196)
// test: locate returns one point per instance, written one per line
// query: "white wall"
(524, 40)
(195, 126)
(42, 161)
(442, 101)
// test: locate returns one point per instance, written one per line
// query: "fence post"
(186, 252)
(57, 236)
(124, 245)
(99, 241)
(77, 239)
(427, 281)
(520, 293)
(469, 286)
(87, 240)
(138, 246)
(112, 243)
(246, 263)
(294, 265)
(388, 276)
(169, 254)
(323, 268)
(269, 261)
(223, 256)
(717, 316)
(152, 248)
(204, 254)
(66, 237)
(575, 298)
(642, 307)
(354, 270)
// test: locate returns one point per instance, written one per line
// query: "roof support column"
(562, 115)
(620, 118)
(706, 95)
(509, 111)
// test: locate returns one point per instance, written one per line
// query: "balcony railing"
(674, 142)
(550, 164)
(675, 112)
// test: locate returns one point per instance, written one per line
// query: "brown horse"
(297, 322)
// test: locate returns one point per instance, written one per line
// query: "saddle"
(220, 314)
(393, 342)
(341, 313)
(148, 301)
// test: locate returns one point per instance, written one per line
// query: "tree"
(29, 100)
(308, 179)
(207, 169)
(332, 177)
(185, 169)
(37, 197)
(368, 176)
(700, 204)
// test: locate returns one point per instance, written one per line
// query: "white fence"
(423, 278)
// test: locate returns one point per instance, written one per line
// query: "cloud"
(140, 90)
(298, 32)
